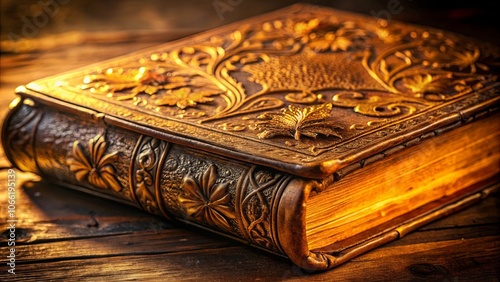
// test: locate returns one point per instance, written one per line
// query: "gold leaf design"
(425, 83)
(184, 97)
(327, 35)
(427, 65)
(207, 201)
(296, 121)
(467, 59)
(257, 68)
(304, 28)
(97, 169)
(386, 35)
(305, 97)
(330, 42)
(376, 105)
(136, 81)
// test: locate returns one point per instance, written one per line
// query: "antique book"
(308, 132)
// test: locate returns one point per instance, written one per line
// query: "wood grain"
(210, 264)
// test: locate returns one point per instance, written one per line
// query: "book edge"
(329, 171)
(294, 240)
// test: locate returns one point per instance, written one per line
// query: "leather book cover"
(235, 128)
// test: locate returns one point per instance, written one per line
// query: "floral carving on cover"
(237, 87)
(377, 70)
(207, 201)
(97, 169)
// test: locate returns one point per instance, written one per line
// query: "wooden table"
(67, 235)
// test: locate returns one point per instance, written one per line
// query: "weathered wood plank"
(486, 212)
(20, 69)
(182, 240)
(410, 262)
(459, 233)
(73, 39)
(135, 243)
(48, 212)
(452, 260)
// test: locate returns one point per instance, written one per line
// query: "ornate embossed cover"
(232, 129)
(303, 90)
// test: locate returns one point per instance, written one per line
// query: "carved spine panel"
(227, 196)
(147, 160)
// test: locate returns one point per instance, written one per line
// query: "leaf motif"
(136, 81)
(189, 185)
(191, 206)
(320, 45)
(117, 87)
(323, 130)
(295, 121)
(202, 96)
(226, 210)
(76, 166)
(96, 169)
(421, 84)
(109, 158)
(80, 174)
(176, 82)
(219, 194)
(149, 89)
(78, 154)
(97, 181)
(206, 200)
(466, 59)
(215, 218)
(341, 43)
(173, 98)
(184, 97)
(108, 175)
(97, 147)
(208, 180)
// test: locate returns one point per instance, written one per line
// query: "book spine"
(226, 196)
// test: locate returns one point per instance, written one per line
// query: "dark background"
(476, 18)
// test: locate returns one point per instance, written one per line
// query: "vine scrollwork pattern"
(304, 61)
(256, 195)
(146, 162)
